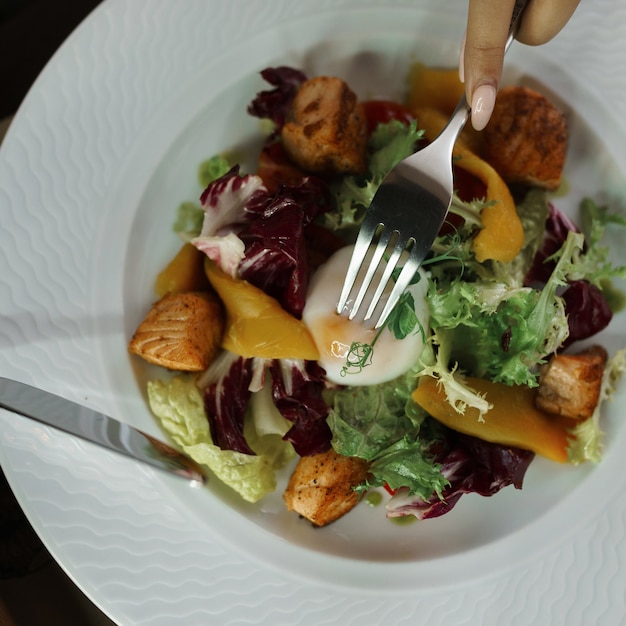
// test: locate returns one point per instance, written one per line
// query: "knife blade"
(90, 425)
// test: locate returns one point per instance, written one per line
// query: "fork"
(390, 236)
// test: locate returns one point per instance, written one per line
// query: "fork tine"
(411, 202)
(379, 250)
(361, 247)
(404, 280)
(398, 249)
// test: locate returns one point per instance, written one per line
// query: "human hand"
(482, 52)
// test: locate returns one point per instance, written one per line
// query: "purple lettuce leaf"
(275, 258)
(274, 103)
(297, 388)
(588, 312)
(260, 236)
(471, 465)
(225, 202)
(558, 225)
(226, 397)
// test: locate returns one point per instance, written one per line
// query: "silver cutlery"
(404, 218)
(97, 428)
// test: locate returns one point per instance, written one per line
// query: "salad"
(487, 360)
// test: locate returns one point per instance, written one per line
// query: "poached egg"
(343, 343)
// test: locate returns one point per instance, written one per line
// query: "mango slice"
(502, 235)
(434, 88)
(185, 272)
(439, 89)
(256, 324)
(514, 419)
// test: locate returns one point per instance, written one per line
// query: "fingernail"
(483, 101)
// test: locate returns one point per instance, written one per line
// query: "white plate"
(100, 154)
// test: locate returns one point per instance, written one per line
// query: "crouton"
(182, 331)
(526, 138)
(569, 384)
(326, 129)
(321, 488)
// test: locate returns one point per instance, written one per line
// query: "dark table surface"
(30, 32)
(34, 590)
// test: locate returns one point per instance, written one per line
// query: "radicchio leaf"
(275, 257)
(558, 225)
(297, 392)
(274, 103)
(471, 465)
(587, 309)
(226, 396)
(225, 201)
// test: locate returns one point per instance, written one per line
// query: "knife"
(96, 427)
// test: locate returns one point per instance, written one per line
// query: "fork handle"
(518, 9)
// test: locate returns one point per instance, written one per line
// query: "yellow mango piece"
(514, 419)
(502, 235)
(256, 324)
(185, 272)
(439, 89)
(434, 88)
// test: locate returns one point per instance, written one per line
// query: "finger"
(487, 31)
(544, 19)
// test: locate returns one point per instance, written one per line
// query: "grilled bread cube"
(526, 138)
(569, 384)
(326, 128)
(321, 488)
(182, 331)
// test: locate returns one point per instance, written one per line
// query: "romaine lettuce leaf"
(178, 405)
(188, 222)
(213, 168)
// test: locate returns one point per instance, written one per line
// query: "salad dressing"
(374, 498)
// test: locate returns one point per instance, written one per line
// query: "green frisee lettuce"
(499, 332)
(387, 146)
(592, 263)
(190, 215)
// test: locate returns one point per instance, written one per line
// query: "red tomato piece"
(389, 490)
(382, 111)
